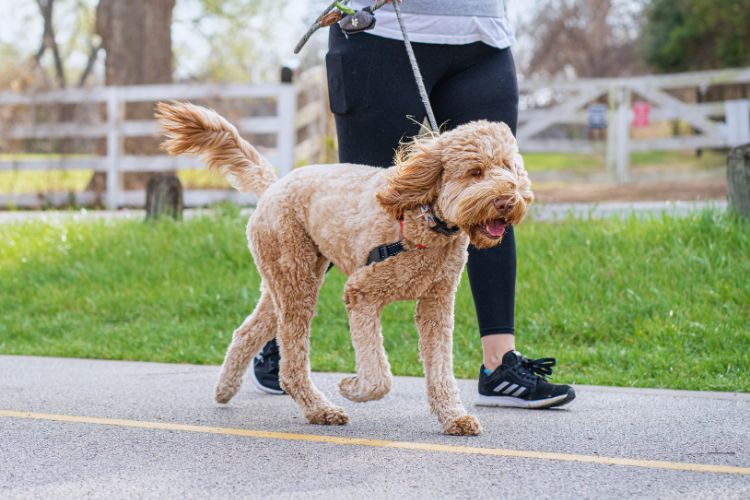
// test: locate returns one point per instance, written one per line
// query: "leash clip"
(353, 22)
(361, 20)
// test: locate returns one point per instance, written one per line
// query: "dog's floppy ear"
(415, 182)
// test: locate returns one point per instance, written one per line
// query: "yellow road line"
(378, 443)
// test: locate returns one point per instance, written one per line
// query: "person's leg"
(484, 87)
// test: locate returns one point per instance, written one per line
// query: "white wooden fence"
(285, 123)
(717, 124)
(545, 106)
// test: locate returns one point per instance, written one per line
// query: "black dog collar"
(382, 252)
(435, 223)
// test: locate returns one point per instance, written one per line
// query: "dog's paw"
(353, 389)
(332, 415)
(467, 425)
(224, 392)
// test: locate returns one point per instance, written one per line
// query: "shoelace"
(541, 367)
(270, 352)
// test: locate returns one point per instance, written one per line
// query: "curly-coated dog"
(445, 190)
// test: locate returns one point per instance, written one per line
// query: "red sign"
(641, 112)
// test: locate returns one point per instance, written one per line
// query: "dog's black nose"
(503, 204)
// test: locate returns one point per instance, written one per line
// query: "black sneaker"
(266, 369)
(521, 382)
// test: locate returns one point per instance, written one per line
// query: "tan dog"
(471, 177)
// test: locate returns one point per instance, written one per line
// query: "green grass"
(579, 162)
(661, 303)
(549, 162)
(709, 159)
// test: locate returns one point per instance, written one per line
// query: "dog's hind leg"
(435, 324)
(247, 340)
(295, 292)
(373, 380)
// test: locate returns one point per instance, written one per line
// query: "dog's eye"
(477, 172)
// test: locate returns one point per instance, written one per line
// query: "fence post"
(622, 170)
(611, 156)
(286, 109)
(737, 128)
(114, 148)
(738, 179)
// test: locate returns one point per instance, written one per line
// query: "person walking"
(463, 50)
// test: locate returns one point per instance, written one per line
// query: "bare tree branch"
(42, 4)
(49, 42)
(93, 55)
(586, 37)
(59, 68)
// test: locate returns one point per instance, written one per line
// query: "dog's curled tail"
(192, 129)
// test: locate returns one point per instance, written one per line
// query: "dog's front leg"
(435, 324)
(373, 379)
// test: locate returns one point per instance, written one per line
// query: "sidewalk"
(539, 211)
(72, 428)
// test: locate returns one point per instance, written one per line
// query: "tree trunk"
(738, 179)
(164, 197)
(136, 36)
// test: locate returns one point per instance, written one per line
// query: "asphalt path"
(109, 429)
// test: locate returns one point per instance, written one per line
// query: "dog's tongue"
(495, 228)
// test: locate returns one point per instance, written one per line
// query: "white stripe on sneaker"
(510, 389)
(519, 392)
(262, 387)
(507, 401)
(501, 386)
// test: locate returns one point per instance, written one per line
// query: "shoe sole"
(511, 402)
(263, 388)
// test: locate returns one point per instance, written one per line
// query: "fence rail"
(719, 124)
(301, 105)
(288, 119)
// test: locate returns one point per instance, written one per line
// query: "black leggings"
(375, 101)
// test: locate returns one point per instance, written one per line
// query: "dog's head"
(473, 176)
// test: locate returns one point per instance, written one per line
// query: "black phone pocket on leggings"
(336, 88)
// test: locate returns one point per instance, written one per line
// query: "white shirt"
(451, 30)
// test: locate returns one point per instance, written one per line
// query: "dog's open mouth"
(494, 229)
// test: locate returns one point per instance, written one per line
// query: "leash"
(415, 69)
(352, 22)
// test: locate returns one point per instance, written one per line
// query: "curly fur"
(472, 176)
(191, 130)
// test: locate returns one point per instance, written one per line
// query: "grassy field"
(659, 303)
(76, 180)
(586, 163)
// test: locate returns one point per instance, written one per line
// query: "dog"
(398, 234)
